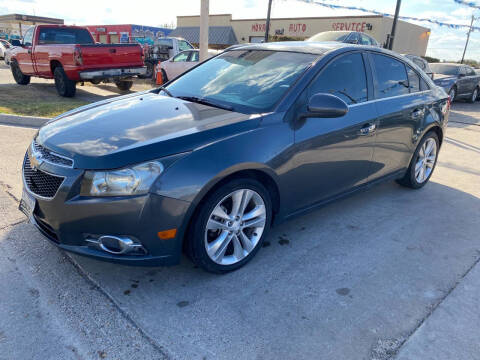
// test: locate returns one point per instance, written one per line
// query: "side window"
(391, 76)
(183, 56)
(344, 77)
(470, 72)
(413, 80)
(194, 56)
(353, 38)
(183, 45)
(364, 40)
(27, 39)
(373, 41)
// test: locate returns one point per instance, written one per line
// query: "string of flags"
(436, 22)
(468, 3)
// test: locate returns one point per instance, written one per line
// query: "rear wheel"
(19, 77)
(96, 81)
(423, 162)
(124, 85)
(65, 86)
(230, 226)
(474, 96)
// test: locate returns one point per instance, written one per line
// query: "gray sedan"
(252, 137)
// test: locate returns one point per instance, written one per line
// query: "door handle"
(417, 113)
(368, 129)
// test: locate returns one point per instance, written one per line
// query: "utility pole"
(468, 38)
(267, 25)
(203, 41)
(394, 25)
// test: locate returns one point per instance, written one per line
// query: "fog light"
(117, 245)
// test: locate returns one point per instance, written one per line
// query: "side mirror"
(326, 106)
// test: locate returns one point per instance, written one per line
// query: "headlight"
(133, 180)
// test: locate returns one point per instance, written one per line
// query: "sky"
(444, 43)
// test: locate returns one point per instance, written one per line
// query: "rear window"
(64, 36)
(445, 69)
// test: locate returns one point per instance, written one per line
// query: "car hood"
(139, 127)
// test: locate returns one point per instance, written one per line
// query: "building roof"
(31, 18)
(219, 35)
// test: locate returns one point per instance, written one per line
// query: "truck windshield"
(64, 36)
(445, 69)
(248, 81)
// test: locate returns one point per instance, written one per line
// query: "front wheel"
(19, 77)
(423, 162)
(124, 85)
(230, 226)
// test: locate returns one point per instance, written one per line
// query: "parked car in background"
(350, 37)
(162, 50)
(4, 46)
(253, 136)
(8, 53)
(459, 81)
(69, 55)
(181, 62)
(421, 63)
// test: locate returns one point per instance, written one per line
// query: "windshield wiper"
(205, 102)
(165, 90)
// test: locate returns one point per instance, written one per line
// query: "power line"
(468, 3)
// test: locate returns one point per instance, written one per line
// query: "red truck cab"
(69, 55)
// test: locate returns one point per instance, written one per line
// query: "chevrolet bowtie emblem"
(36, 161)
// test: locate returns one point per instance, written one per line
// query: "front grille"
(50, 156)
(39, 182)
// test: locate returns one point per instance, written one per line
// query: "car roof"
(310, 47)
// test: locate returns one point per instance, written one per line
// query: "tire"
(164, 76)
(19, 77)
(413, 178)
(453, 94)
(124, 85)
(237, 242)
(96, 81)
(65, 86)
(474, 96)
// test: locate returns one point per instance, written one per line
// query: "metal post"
(468, 38)
(267, 24)
(394, 25)
(203, 41)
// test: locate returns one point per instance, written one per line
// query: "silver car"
(182, 62)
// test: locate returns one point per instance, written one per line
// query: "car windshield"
(248, 81)
(330, 36)
(444, 69)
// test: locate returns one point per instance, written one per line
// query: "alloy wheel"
(235, 226)
(426, 160)
(475, 95)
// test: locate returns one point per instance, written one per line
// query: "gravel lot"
(386, 273)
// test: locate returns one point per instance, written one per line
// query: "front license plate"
(27, 204)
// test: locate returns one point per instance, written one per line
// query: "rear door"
(334, 155)
(401, 107)
(472, 79)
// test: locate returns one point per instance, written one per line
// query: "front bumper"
(68, 220)
(112, 73)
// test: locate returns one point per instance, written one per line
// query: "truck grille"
(39, 182)
(50, 156)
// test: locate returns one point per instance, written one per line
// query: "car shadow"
(464, 114)
(377, 260)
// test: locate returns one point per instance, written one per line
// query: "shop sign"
(352, 26)
(258, 27)
(297, 28)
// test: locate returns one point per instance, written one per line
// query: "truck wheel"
(65, 86)
(18, 75)
(96, 81)
(124, 85)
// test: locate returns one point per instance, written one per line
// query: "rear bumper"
(112, 73)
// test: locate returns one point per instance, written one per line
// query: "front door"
(24, 57)
(334, 155)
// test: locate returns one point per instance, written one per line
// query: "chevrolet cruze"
(208, 163)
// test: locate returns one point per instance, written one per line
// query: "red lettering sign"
(352, 26)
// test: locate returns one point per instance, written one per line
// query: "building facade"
(13, 26)
(114, 34)
(410, 38)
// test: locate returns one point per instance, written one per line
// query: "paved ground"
(388, 273)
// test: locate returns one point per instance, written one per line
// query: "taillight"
(77, 56)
